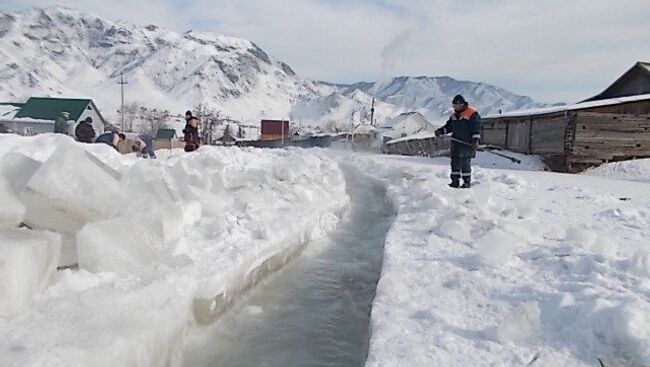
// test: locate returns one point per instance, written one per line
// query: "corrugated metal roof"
(42, 108)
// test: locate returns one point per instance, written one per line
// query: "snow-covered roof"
(399, 118)
(34, 121)
(364, 129)
(8, 111)
(577, 106)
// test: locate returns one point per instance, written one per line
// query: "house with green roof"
(38, 115)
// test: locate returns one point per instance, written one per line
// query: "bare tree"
(210, 121)
(131, 114)
(153, 120)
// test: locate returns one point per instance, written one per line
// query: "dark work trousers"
(461, 167)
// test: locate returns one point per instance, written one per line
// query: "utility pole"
(372, 112)
(121, 83)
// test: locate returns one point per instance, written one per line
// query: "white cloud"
(551, 50)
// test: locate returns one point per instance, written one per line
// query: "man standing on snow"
(465, 127)
(84, 131)
(191, 131)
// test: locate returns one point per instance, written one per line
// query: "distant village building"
(365, 137)
(167, 139)
(275, 129)
(612, 126)
(38, 115)
(406, 124)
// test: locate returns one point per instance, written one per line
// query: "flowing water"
(315, 311)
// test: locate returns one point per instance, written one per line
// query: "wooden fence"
(426, 147)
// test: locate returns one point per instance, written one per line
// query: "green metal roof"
(165, 134)
(50, 108)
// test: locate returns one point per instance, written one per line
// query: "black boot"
(454, 184)
(466, 185)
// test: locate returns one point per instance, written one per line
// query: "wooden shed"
(572, 138)
(167, 139)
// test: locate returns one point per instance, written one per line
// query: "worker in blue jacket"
(464, 125)
(111, 138)
(143, 146)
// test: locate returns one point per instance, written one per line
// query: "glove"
(475, 145)
(438, 132)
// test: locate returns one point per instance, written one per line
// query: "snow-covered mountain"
(62, 52)
(432, 96)
(57, 51)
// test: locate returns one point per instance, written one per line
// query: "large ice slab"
(12, 211)
(127, 244)
(17, 169)
(70, 190)
(27, 260)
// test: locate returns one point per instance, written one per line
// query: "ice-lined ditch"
(314, 312)
(158, 243)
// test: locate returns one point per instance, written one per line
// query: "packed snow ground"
(151, 237)
(527, 268)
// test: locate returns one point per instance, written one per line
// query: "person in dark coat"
(84, 131)
(112, 138)
(191, 131)
(464, 125)
(143, 146)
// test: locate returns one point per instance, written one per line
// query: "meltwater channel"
(315, 311)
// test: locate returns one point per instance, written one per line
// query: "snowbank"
(526, 268)
(633, 170)
(153, 239)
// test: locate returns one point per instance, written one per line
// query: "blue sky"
(551, 50)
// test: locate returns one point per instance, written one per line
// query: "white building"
(405, 124)
(38, 114)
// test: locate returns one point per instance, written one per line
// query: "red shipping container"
(274, 129)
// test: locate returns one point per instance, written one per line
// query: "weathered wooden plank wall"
(547, 136)
(543, 134)
(605, 137)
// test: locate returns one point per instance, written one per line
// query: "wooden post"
(507, 134)
(530, 136)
